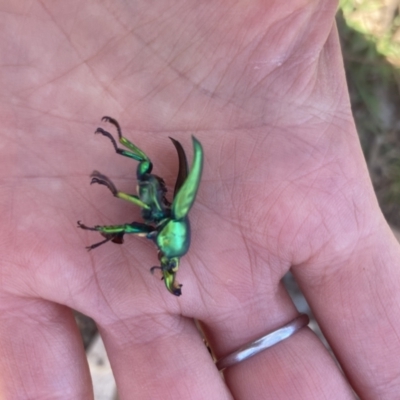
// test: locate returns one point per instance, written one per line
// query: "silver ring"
(271, 339)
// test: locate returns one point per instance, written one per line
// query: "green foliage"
(370, 36)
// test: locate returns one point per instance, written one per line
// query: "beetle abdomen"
(174, 238)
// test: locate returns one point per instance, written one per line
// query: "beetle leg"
(145, 165)
(94, 245)
(113, 122)
(101, 179)
(115, 233)
(135, 228)
(116, 237)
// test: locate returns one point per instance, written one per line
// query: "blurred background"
(370, 38)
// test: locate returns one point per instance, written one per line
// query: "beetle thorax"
(173, 239)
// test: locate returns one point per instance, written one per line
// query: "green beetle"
(166, 224)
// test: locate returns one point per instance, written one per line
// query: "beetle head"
(169, 268)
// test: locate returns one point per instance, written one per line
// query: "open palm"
(284, 186)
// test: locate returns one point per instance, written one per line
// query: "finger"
(298, 367)
(41, 352)
(161, 357)
(356, 301)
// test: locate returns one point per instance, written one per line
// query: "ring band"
(252, 348)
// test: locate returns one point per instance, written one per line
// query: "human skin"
(285, 186)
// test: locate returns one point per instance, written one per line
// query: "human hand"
(284, 186)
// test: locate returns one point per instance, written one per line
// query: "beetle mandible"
(165, 223)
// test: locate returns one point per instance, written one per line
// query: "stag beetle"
(165, 223)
